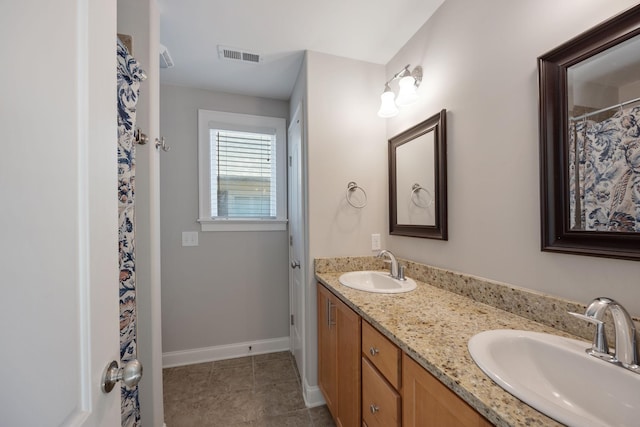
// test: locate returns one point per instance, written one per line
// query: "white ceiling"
(280, 31)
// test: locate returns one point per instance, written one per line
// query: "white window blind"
(243, 174)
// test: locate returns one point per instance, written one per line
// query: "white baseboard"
(312, 395)
(221, 352)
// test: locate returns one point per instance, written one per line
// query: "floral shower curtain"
(604, 181)
(129, 77)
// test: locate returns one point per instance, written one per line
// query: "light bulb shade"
(408, 93)
(387, 106)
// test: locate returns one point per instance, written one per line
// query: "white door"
(296, 239)
(58, 214)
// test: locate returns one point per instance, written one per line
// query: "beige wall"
(233, 287)
(346, 142)
(479, 61)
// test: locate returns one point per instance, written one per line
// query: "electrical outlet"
(189, 238)
(375, 242)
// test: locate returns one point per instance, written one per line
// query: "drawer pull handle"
(374, 408)
(373, 351)
(328, 314)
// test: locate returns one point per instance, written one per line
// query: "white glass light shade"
(387, 105)
(408, 93)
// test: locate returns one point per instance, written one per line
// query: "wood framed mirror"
(590, 141)
(418, 180)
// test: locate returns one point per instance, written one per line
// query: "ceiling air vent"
(233, 54)
(165, 58)
(250, 57)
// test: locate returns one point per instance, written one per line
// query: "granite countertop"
(433, 326)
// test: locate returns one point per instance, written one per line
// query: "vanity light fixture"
(388, 106)
(409, 82)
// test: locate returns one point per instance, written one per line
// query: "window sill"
(242, 225)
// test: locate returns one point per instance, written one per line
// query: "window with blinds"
(243, 174)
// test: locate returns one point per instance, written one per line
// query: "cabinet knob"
(374, 408)
(373, 351)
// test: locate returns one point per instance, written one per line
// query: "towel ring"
(351, 189)
(415, 189)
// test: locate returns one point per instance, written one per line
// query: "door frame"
(297, 119)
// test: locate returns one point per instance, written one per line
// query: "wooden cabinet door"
(339, 350)
(348, 325)
(327, 346)
(426, 402)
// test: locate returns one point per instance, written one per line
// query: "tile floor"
(254, 391)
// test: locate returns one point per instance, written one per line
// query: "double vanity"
(406, 358)
(415, 345)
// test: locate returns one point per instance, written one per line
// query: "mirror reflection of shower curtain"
(129, 77)
(577, 136)
(604, 173)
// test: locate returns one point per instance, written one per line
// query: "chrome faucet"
(626, 352)
(396, 271)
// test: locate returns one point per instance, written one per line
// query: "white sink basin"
(376, 281)
(555, 376)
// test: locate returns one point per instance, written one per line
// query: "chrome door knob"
(295, 264)
(130, 375)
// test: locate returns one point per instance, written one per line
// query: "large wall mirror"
(590, 141)
(418, 180)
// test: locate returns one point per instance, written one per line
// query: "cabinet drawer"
(380, 402)
(382, 353)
